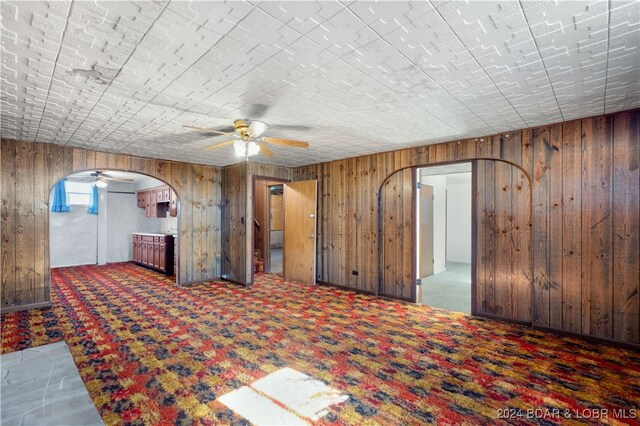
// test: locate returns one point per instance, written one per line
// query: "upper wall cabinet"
(158, 201)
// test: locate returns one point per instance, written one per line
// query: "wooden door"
(425, 229)
(300, 212)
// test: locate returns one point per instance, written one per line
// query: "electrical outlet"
(354, 272)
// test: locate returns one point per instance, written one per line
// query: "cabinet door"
(142, 249)
(166, 194)
(173, 206)
(159, 194)
(136, 250)
(153, 206)
(162, 256)
(156, 255)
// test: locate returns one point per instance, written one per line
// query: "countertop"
(155, 234)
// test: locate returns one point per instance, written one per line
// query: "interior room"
(210, 212)
(444, 236)
(99, 218)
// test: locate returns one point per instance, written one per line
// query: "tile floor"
(302, 397)
(41, 386)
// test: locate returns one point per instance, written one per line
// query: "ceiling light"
(257, 128)
(240, 148)
(246, 149)
(101, 183)
(252, 148)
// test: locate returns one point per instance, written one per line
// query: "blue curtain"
(93, 201)
(60, 198)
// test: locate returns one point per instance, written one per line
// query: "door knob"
(312, 236)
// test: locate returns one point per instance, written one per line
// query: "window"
(79, 193)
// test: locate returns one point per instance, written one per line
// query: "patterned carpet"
(152, 353)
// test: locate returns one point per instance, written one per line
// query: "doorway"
(268, 225)
(96, 218)
(284, 221)
(444, 249)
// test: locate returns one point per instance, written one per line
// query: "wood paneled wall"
(29, 171)
(585, 247)
(237, 220)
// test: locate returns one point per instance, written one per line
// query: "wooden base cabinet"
(154, 251)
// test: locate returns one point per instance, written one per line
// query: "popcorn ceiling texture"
(366, 77)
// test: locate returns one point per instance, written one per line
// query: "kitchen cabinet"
(158, 201)
(173, 204)
(154, 251)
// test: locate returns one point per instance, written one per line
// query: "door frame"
(254, 180)
(474, 230)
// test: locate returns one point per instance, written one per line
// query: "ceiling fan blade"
(287, 142)
(266, 151)
(219, 145)
(118, 179)
(200, 129)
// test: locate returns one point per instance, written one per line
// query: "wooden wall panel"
(29, 172)
(237, 214)
(597, 215)
(234, 211)
(584, 176)
(571, 227)
(397, 234)
(626, 227)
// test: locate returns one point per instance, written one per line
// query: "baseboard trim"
(24, 307)
(589, 338)
(344, 287)
(501, 318)
(192, 283)
(236, 282)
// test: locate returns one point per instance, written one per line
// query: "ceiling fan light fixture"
(252, 149)
(101, 183)
(257, 128)
(240, 148)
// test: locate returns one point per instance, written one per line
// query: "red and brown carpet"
(152, 353)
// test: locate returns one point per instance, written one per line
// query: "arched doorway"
(502, 282)
(108, 217)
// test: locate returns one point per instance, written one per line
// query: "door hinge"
(418, 185)
(418, 282)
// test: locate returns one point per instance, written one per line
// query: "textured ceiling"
(363, 76)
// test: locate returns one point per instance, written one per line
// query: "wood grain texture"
(626, 227)
(571, 227)
(29, 172)
(597, 223)
(576, 179)
(299, 248)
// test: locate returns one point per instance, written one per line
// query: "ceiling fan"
(247, 140)
(100, 178)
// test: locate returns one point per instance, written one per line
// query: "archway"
(502, 277)
(131, 208)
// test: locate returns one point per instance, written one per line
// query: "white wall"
(124, 217)
(439, 184)
(73, 237)
(459, 217)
